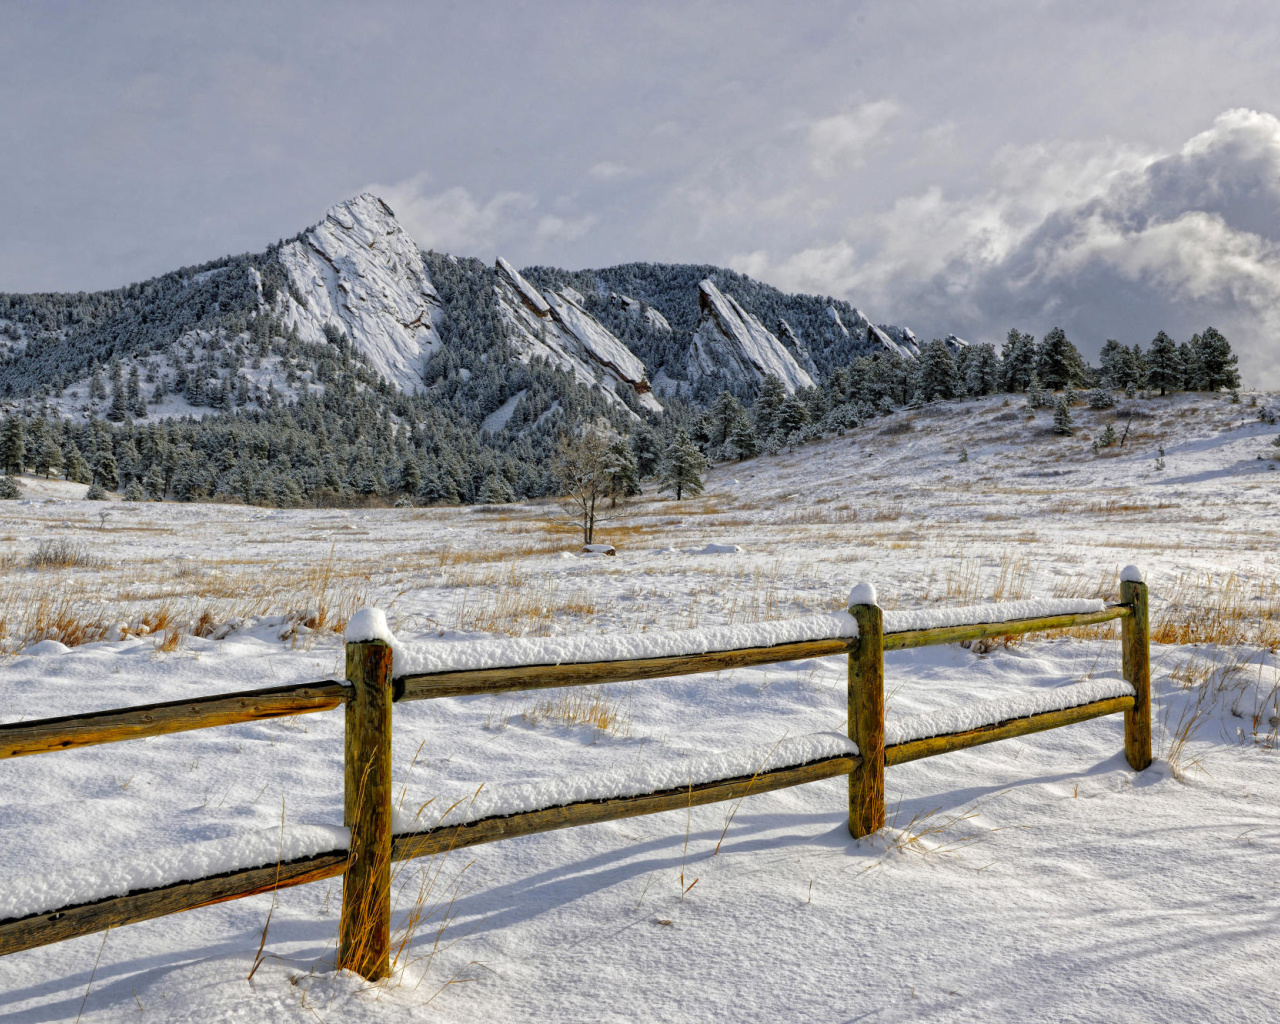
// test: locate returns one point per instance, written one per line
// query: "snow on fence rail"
(381, 671)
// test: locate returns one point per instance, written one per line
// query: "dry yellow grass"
(579, 706)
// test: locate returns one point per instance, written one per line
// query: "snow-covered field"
(1034, 879)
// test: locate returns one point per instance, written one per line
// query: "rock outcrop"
(359, 272)
(554, 325)
(731, 343)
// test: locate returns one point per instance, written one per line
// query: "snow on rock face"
(954, 344)
(637, 309)
(730, 340)
(358, 270)
(556, 327)
(896, 341)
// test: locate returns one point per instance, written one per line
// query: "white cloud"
(1100, 238)
(842, 142)
(453, 220)
(553, 228)
(607, 170)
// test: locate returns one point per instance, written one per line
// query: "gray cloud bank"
(1105, 242)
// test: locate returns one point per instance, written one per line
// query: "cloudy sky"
(1110, 168)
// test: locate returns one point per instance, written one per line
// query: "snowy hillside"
(1033, 879)
(358, 271)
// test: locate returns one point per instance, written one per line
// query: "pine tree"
(936, 377)
(137, 406)
(97, 387)
(410, 475)
(1108, 436)
(982, 372)
(13, 447)
(1138, 369)
(742, 443)
(624, 478)
(772, 395)
(119, 395)
(682, 466)
(1037, 396)
(134, 491)
(496, 490)
(1216, 362)
(1111, 361)
(1058, 362)
(105, 473)
(1018, 361)
(647, 451)
(77, 469)
(726, 413)
(154, 483)
(1190, 364)
(791, 417)
(49, 455)
(1062, 423)
(1164, 364)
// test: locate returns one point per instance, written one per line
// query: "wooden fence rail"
(370, 691)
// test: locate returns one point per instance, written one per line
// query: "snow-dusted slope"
(554, 326)
(359, 271)
(731, 341)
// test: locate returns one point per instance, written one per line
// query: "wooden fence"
(371, 689)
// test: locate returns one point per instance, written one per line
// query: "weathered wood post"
(866, 713)
(1135, 645)
(364, 935)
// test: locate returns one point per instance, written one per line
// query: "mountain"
(345, 364)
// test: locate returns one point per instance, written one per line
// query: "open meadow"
(1036, 871)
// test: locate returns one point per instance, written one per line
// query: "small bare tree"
(587, 468)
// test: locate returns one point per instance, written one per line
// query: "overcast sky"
(1110, 168)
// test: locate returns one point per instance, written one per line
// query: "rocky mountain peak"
(357, 271)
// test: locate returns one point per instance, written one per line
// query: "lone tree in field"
(587, 468)
(682, 466)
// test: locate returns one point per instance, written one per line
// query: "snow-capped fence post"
(365, 929)
(1135, 646)
(866, 713)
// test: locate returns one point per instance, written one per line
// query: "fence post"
(1135, 646)
(866, 713)
(364, 935)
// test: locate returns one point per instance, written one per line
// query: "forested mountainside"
(347, 365)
